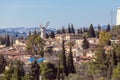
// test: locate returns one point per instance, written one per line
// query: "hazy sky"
(30, 13)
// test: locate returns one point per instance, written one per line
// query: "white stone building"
(118, 17)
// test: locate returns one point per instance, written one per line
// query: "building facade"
(118, 17)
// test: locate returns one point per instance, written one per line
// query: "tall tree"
(104, 37)
(48, 71)
(63, 30)
(91, 31)
(108, 28)
(113, 58)
(98, 32)
(8, 72)
(35, 45)
(99, 28)
(7, 40)
(100, 60)
(116, 73)
(58, 71)
(72, 28)
(63, 60)
(84, 30)
(58, 32)
(69, 28)
(35, 70)
(2, 63)
(85, 43)
(71, 68)
(116, 48)
(18, 71)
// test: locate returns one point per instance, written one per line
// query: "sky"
(81, 13)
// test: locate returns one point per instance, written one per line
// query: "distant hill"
(21, 31)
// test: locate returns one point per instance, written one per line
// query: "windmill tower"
(118, 17)
(43, 30)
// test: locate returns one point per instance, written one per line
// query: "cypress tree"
(83, 29)
(7, 40)
(58, 71)
(72, 28)
(71, 68)
(2, 63)
(99, 28)
(114, 58)
(85, 43)
(69, 29)
(91, 31)
(35, 70)
(108, 28)
(58, 32)
(8, 72)
(78, 31)
(63, 60)
(18, 71)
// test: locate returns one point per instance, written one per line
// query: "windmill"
(43, 30)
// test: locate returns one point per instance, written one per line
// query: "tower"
(118, 17)
(43, 30)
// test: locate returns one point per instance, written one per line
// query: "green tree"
(116, 48)
(63, 30)
(101, 60)
(35, 45)
(108, 28)
(7, 40)
(58, 71)
(116, 73)
(63, 64)
(2, 63)
(99, 28)
(104, 37)
(71, 68)
(91, 31)
(113, 58)
(35, 70)
(18, 71)
(48, 71)
(69, 29)
(8, 72)
(85, 43)
(58, 32)
(28, 77)
(72, 28)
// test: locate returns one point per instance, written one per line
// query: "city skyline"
(28, 13)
